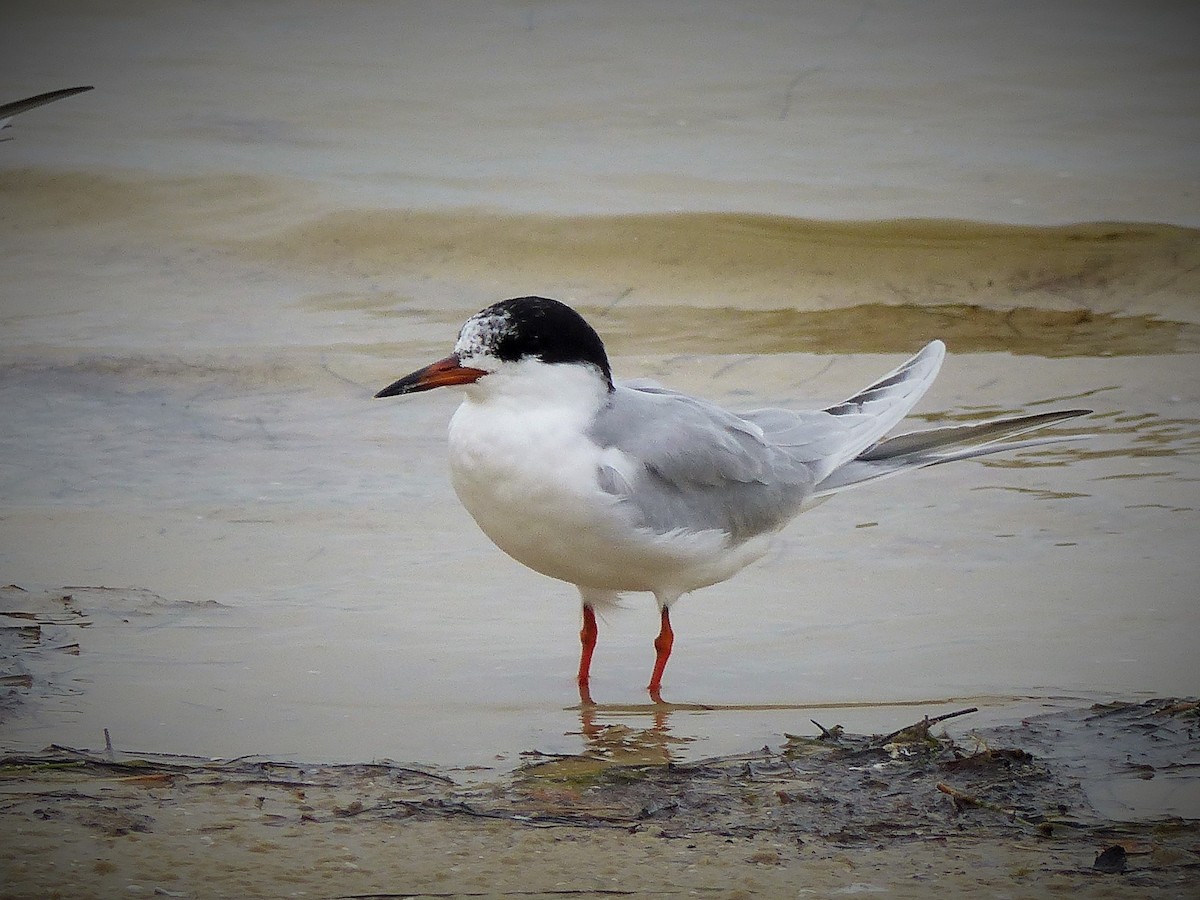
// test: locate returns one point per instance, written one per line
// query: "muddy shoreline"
(215, 258)
(1026, 806)
(973, 812)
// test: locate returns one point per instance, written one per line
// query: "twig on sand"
(921, 729)
(829, 734)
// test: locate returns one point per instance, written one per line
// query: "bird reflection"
(609, 736)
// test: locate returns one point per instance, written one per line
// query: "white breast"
(524, 467)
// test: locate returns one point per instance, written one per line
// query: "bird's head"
(510, 334)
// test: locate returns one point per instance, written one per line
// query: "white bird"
(617, 488)
(8, 110)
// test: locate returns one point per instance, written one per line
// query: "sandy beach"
(217, 547)
(899, 814)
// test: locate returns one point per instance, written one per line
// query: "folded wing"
(682, 464)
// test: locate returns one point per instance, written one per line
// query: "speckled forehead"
(481, 333)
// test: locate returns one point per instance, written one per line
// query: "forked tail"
(919, 449)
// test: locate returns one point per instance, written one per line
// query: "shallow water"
(214, 259)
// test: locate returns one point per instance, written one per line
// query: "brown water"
(213, 260)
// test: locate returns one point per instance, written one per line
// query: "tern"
(630, 487)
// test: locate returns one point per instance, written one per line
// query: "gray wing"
(698, 467)
(879, 407)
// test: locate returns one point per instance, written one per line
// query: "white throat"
(522, 462)
(532, 388)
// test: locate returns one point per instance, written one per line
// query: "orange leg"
(587, 641)
(662, 649)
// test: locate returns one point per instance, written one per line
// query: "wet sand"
(124, 375)
(214, 259)
(826, 813)
(310, 510)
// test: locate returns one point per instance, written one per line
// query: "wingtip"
(932, 355)
(936, 347)
(8, 110)
(1063, 414)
